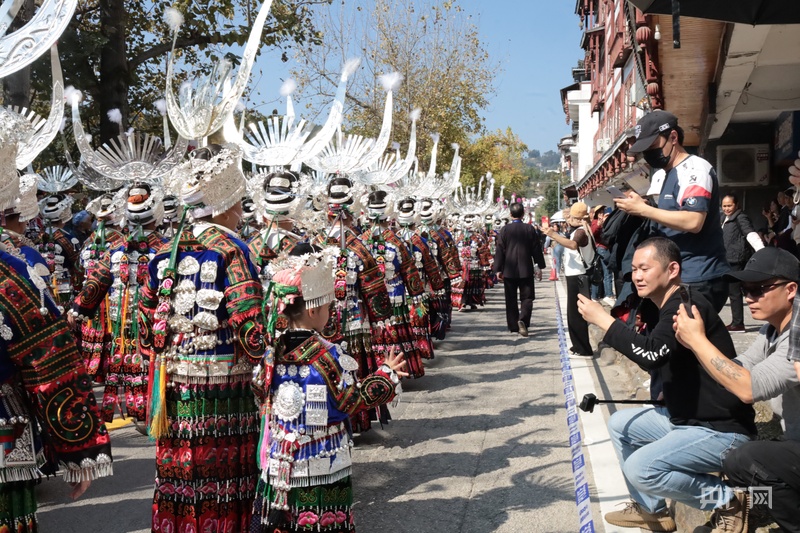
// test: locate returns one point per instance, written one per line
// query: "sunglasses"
(757, 292)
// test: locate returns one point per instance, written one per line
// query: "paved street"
(480, 444)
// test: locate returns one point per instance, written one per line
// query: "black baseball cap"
(768, 263)
(650, 126)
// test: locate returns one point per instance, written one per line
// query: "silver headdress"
(351, 153)
(279, 141)
(144, 205)
(57, 179)
(212, 185)
(202, 108)
(27, 206)
(22, 47)
(315, 272)
(392, 167)
(13, 130)
(56, 207)
(107, 206)
(280, 193)
(474, 202)
(44, 130)
(432, 185)
(131, 156)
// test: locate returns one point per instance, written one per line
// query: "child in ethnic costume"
(304, 452)
(202, 325)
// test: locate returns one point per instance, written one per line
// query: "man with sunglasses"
(764, 372)
(688, 202)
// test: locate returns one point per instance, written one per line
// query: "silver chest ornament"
(289, 401)
(349, 366)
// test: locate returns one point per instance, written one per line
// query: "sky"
(536, 42)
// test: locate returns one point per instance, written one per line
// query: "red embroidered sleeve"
(95, 289)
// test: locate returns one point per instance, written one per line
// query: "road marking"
(607, 474)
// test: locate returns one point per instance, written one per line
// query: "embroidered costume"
(306, 473)
(114, 283)
(47, 407)
(202, 327)
(304, 450)
(95, 327)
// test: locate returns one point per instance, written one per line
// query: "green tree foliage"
(501, 153)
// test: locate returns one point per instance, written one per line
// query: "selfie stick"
(590, 400)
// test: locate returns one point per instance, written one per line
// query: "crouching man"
(764, 372)
(672, 451)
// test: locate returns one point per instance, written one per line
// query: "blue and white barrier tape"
(578, 461)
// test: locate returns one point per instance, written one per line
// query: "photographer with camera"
(671, 451)
(769, 283)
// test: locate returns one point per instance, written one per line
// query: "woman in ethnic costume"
(95, 328)
(116, 281)
(403, 283)
(48, 416)
(203, 329)
(446, 257)
(305, 447)
(362, 320)
(470, 243)
(426, 264)
(59, 248)
(276, 196)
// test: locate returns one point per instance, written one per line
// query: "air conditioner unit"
(603, 144)
(741, 165)
(599, 145)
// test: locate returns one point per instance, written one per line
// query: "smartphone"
(685, 292)
(615, 192)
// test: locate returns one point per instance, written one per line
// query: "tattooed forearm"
(726, 367)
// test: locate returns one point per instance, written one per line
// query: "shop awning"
(751, 12)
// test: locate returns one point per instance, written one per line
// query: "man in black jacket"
(672, 451)
(518, 245)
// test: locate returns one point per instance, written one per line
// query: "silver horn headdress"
(201, 108)
(280, 141)
(346, 154)
(44, 130)
(22, 47)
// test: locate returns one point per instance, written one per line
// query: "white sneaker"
(609, 301)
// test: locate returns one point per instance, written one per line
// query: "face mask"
(656, 157)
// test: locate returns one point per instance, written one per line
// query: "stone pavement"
(480, 444)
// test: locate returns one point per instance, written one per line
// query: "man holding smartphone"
(688, 204)
(762, 373)
(671, 451)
